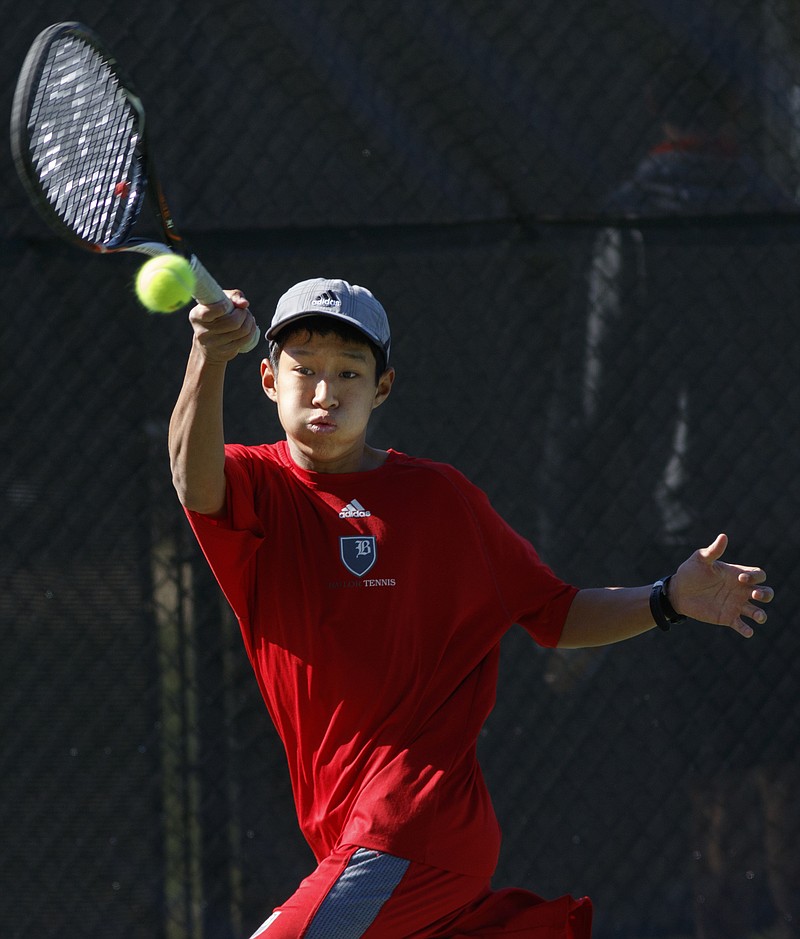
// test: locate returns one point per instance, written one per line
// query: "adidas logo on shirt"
(354, 509)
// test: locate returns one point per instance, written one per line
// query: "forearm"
(196, 436)
(704, 588)
(603, 615)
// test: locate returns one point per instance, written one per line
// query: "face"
(325, 391)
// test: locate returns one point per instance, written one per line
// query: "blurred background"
(582, 220)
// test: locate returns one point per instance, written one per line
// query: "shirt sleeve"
(533, 595)
(230, 542)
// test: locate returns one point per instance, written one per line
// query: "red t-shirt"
(372, 605)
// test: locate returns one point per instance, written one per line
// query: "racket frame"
(145, 184)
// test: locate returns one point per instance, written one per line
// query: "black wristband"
(664, 613)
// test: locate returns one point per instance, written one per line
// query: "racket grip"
(207, 291)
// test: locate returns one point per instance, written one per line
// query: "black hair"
(326, 326)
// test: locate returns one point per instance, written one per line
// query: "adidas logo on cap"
(327, 299)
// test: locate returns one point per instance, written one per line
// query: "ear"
(268, 378)
(384, 388)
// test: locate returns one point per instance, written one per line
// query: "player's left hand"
(710, 590)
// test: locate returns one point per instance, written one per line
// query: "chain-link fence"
(581, 219)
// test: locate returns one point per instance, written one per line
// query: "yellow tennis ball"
(165, 283)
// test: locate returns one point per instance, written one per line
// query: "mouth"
(322, 425)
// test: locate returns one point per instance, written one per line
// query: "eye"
(302, 370)
(349, 374)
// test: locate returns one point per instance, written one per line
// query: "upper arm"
(209, 499)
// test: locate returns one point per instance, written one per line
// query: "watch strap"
(663, 612)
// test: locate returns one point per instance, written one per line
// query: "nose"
(324, 395)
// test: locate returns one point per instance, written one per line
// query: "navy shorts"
(358, 893)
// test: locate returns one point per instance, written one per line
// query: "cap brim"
(273, 331)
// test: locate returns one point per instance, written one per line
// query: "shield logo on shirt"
(358, 553)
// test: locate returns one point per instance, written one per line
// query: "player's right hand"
(219, 335)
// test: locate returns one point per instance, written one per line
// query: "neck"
(359, 460)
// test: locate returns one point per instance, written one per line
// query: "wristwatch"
(664, 613)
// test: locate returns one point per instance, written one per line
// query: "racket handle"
(207, 291)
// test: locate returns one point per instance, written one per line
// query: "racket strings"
(83, 141)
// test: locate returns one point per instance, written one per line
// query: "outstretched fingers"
(760, 593)
(713, 591)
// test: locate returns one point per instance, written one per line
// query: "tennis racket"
(79, 141)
